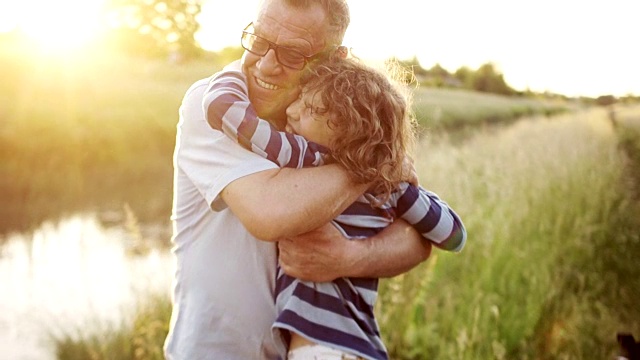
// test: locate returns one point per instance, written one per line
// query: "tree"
(439, 76)
(465, 75)
(487, 79)
(606, 100)
(155, 27)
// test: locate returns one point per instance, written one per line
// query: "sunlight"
(56, 27)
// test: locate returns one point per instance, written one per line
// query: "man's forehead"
(277, 18)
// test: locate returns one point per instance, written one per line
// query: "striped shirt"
(339, 314)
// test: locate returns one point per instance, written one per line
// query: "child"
(353, 115)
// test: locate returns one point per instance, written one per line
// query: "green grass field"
(550, 204)
(550, 270)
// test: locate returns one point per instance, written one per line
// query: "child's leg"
(302, 349)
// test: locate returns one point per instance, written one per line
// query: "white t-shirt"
(223, 300)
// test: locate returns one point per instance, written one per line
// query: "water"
(72, 275)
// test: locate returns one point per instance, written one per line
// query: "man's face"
(272, 86)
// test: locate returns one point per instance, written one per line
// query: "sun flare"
(56, 26)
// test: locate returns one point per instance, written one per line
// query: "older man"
(226, 198)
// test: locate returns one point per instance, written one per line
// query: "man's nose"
(269, 62)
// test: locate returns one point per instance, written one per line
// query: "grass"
(456, 108)
(550, 206)
(549, 271)
(140, 339)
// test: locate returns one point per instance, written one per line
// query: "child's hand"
(409, 173)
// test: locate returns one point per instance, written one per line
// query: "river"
(75, 274)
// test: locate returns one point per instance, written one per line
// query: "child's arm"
(431, 217)
(227, 108)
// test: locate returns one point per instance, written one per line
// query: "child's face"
(306, 117)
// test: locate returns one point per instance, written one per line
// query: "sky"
(570, 47)
(575, 48)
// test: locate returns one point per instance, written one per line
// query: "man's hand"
(318, 255)
(324, 254)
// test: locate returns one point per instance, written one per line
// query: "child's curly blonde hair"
(371, 118)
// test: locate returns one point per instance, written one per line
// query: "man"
(226, 198)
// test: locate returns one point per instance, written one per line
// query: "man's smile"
(266, 85)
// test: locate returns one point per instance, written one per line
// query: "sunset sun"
(56, 27)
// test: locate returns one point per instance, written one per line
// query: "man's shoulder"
(198, 87)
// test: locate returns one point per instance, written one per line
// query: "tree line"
(484, 79)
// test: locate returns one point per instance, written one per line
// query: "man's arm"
(280, 203)
(324, 255)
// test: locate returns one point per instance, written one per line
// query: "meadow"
(549, 271)
(551, 205)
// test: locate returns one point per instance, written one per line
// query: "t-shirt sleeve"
(431, 217)
(206, 158)
(227, 108)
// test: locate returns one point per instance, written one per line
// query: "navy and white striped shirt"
(338, 314)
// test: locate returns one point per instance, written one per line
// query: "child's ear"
(342, 52)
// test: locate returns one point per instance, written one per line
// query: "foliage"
(549, 271)
(465, 75)
(485, 79)
(605, 100)
(627, 123)
(155, 27)
(140, 339)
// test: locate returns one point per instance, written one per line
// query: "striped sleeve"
(227, 108)
(431, 217)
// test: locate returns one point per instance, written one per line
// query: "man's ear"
(342, 52)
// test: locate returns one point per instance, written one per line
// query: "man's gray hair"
(337, 12)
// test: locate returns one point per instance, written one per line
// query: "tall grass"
(139, 336)
(541, 201)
